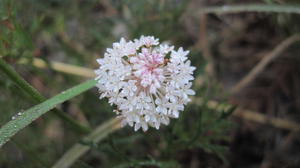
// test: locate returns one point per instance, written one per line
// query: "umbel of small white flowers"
(148, 82)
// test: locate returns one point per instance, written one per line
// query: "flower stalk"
(94, 137)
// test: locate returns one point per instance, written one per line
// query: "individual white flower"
(149, 83)
(147, 41)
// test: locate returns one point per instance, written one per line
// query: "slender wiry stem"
(79, 149)
(36, 96)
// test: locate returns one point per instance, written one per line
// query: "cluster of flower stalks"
(148, 82)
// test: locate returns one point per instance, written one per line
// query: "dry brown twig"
(253, 116)
(263, 119)
(62, 67)
(258, 117)
(203, 44)
(264, 62)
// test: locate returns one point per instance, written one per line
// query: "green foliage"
(15, 42)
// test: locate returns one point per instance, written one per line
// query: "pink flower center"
(148, 69)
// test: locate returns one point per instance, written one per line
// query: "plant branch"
(95, 137)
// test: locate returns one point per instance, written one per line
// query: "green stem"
(20, 82)
(251, 8)
(95, 137)
(24, 119)
(36, 96)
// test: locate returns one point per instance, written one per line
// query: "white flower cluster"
(149, 83)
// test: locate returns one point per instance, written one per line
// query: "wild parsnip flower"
(148, 82)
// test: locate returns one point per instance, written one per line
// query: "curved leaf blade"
(15, 125)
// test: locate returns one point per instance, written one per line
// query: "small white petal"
(137, 126)
(144, 127)
(147, 118)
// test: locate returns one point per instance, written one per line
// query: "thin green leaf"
(24, 119)
(38, 97)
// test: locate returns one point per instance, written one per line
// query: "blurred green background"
(224, 48)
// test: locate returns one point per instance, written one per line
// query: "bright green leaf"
(24, 119)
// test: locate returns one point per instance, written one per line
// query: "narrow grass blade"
(38, 97)
(14, 126)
